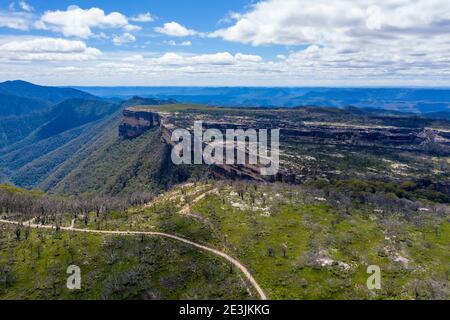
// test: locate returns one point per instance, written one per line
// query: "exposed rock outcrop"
(137, 121)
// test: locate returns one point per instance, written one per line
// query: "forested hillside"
(73, 147)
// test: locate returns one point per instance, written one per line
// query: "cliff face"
(136, 122)
(303, 143)
(248, 172)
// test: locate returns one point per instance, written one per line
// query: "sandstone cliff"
(297, 138)
(137, 121)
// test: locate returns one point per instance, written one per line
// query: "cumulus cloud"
(352, 38)
(123, 39)
(298, 22)
(170, 58)
(80, 22)
(47, 49)
(175, 29)
(143, 17)
(15, 20)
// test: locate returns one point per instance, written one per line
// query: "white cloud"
(47, 49)
(66, 69)
(175, 29)
(248, 58)
(133, 58)
(315, 65)
(123, 39)
(44, 45)
(357, 42)
(143, 17)
(298, 22)
(80, 22)
(220, 59)
(132, 27)
(170, 58)
(15, 20)
(180, 44)
(350, 39)
(25, 6)
(100, 35)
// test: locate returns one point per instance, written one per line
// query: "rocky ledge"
(137, 121)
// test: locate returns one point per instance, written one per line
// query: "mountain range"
(19, 97)
(414, 100)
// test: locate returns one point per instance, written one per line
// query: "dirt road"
(227, 257)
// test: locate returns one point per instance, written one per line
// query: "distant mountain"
(413, 100)
(20, 97)
(439, 115)
(139, 101)
(25, 107)
(51, 94)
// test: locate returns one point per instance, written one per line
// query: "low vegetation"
(299, 243)
(33, 265)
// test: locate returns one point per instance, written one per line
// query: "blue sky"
(205, 15)
(234, 42)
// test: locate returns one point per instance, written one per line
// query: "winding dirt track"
(230, 259)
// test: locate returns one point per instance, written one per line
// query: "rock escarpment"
(313, 144)
(137, 121)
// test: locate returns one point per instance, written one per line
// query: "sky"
(226, 43)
